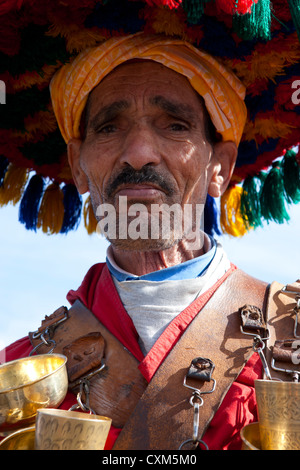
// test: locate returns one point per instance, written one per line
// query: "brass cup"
(278, 405)
(27, 385)
(19, 440)
(70, 430)
(251, 437)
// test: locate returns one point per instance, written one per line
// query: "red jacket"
(98, 293)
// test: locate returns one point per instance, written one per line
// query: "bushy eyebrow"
(109, 112)
(176, 109)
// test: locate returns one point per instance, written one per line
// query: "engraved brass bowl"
(250, 435)
(278, 405)
(29, 384)
(19, 440)
(70, 430)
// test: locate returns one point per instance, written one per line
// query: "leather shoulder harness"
(158, 415)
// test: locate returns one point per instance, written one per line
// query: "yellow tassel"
(77, 38)
(264, 64)
(51, 212)
(90, 221)
(267, 128)
(13, 185)
(41, 122)
(32, 78)
(167, 22)
(65, 173)
(231, 219)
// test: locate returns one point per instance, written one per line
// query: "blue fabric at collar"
(188, 270)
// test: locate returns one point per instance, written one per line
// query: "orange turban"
(221, 90)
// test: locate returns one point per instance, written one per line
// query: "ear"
(79, 177)
(223, 163)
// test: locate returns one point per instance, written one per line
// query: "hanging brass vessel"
(23, 439)
(29, 384)
(278, 405)
(70, 430)
(250, 435)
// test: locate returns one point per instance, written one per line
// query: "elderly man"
(158, 122)
(153, 124)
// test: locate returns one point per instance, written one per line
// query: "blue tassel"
(3, 168)
(211, 217)
(29, 206)
(72, 205)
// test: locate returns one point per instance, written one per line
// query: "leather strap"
(283, 346)
(159, 416)
(163, 418)
(116, 390)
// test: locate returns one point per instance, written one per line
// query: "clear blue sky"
(38, 270)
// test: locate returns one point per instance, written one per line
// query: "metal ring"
(258, 344)
(196, 395)
(83, 406)
(195, 444)
(49, 343)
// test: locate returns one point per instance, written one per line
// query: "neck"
(140, 263)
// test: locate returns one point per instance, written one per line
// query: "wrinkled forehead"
(145, 76)
(222, 92)
(151, 82)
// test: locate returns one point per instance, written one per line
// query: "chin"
(143, 245)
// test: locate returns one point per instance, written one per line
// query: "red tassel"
(235, 6)
(167, 3)
(10, 5)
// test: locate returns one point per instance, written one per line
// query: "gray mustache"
(145, 175)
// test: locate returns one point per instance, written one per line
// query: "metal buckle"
(283, 352)
(294, 373)
(296, 309)
(47, 334)
(196, 390)
(200, 369)
(252, 319)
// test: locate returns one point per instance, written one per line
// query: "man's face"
(145, 139)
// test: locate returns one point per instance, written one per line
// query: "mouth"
(139, 191)
(145, 183)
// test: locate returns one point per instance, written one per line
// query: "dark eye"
(106, 129)
(178, 127)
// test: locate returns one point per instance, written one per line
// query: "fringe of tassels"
(52, 208)
(251, 18)
(264, 197)
(56, 208)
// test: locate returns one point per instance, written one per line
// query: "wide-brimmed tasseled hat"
(258, 40)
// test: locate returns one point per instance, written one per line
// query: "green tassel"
(194, 9)
(272, 198)
(256, 24)
(295, 13)
(291, 177)
(250, 200)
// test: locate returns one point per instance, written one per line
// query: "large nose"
(140, 147)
